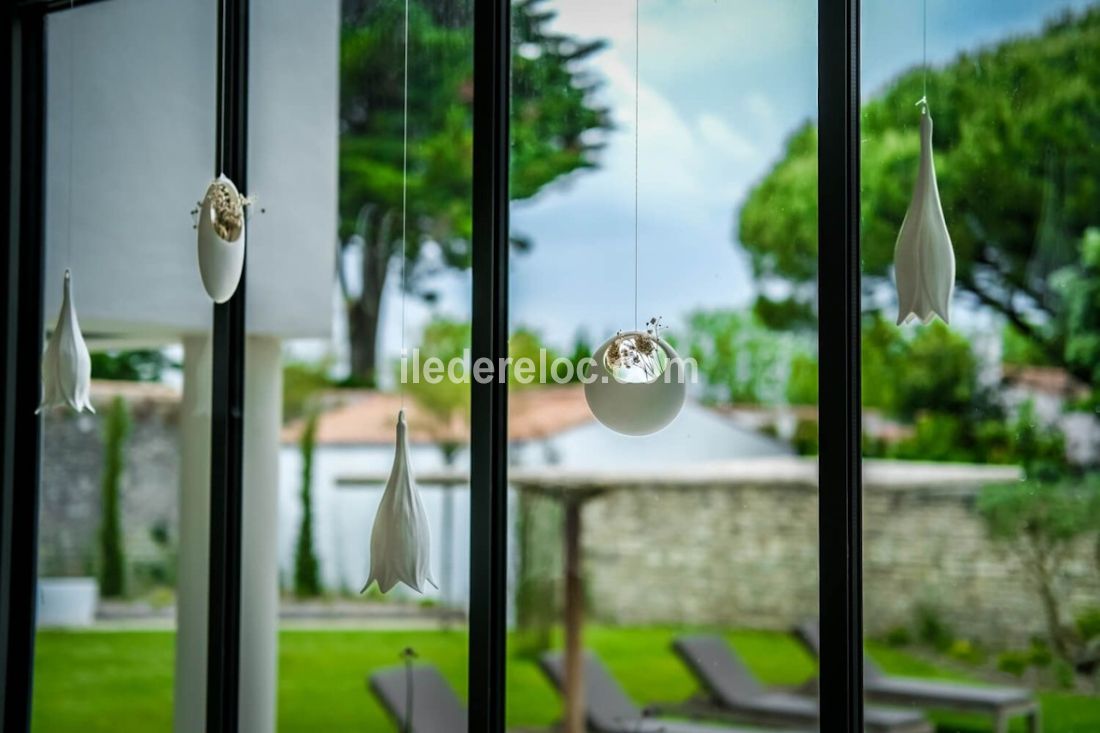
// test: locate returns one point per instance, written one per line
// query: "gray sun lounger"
(730, 690)
(609, 710)
(1001, 703)
(435, 707)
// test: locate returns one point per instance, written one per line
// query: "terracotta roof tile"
(367, 418)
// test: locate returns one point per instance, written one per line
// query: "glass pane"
(982, 437)
(341, 349)
(124, 493)
(626, 544)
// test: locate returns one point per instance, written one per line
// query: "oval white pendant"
(221, 239)
(636, 385)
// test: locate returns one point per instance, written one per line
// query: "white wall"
(134, 82)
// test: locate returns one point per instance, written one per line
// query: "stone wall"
(743, 551)
(72, 464)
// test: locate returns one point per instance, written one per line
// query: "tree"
(307, 572)
(139, 365)
(112, 555)
(1018, 167)
(740, 361)
(1078, 286)
(555, 131)
(1041, 521)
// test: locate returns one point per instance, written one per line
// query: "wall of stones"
(72, 464)
(745, 554)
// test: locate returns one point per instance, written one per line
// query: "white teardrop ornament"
(924, 259)
(400, 542)
(66, 364)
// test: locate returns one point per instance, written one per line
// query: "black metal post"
(24, 87)
(840, 462)
(489, 429)
(227, 410)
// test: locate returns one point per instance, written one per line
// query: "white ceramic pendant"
(636, 385)
(66, 364)
(400, 542)
(924, 259)
(221, 239)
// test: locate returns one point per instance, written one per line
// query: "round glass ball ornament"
(635, 385)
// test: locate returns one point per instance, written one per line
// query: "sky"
(723, 83)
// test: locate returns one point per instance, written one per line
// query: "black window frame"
(21, 338)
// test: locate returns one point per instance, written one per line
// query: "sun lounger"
(731, 691)
(609, 710)
(435, 707)
(1001, 703)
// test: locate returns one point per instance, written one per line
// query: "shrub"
(307, 574)
(1088, 624)
(898, 636)
(112, 555)
(932, 629)
(1014, 662)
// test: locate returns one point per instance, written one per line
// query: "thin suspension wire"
(72, 113)
(924, 53)
(637, 135)
(404, 189)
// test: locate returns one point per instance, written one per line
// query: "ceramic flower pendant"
(400, 543)
(221, 228)
(66, 365)
(924, 260)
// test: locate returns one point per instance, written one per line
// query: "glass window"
(981, 435)
(124, 497)
(641, 209)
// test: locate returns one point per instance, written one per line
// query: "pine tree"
(307, 574)
(112, 573)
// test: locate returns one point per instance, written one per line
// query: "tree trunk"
(364, 312)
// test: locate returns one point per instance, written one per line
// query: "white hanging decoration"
(66, 364)
(924, 259)
(221, 228)
(400, 542)
(636, 384)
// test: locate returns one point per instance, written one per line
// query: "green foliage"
(556, 129)
(1040, 520)
(740, 361)
(1078, 285)
(802, 380)
(931, 369)
(1018, 169)
(449, 399)
(1054, 513)
(897, 637)
(307, 572)
(112, 555)
(1014, 662)
(966, 651)
(302, 383)
(805, 438)
(931, 627)
(1088, 624)
(140, 365)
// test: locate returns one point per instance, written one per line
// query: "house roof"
(368, 417)
(1045, 380)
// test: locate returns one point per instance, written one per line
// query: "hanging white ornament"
(636, 385)
(924, 259)
(221, 229)
(66, 364)
(400, 542)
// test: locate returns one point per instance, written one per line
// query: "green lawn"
(89, 682)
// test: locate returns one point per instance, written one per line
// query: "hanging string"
(924, 53)
(637, 135)
(72, 113)
(404, 189)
